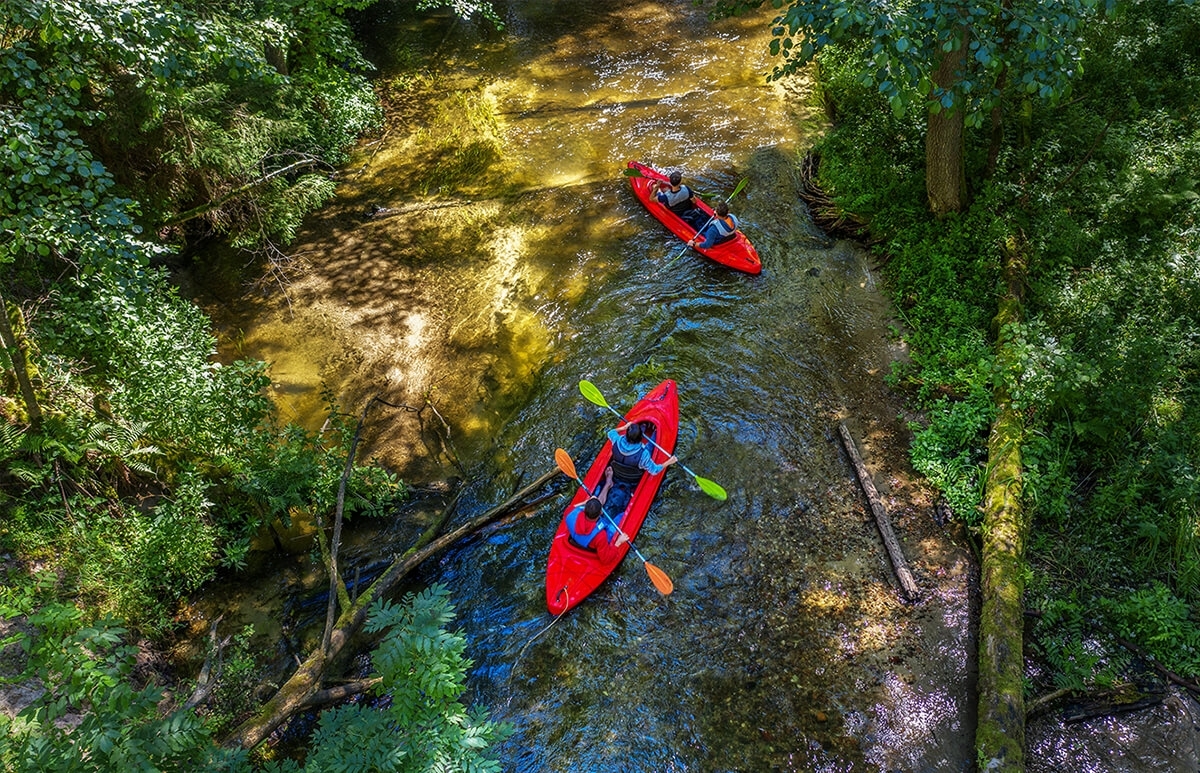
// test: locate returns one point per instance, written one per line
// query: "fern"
(422, 670)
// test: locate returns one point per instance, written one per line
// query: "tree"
(952, 60)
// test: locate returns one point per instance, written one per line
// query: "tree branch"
(194, 212)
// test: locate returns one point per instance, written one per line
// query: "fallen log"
(1000, 729)
(1171, 676)
(907, 584)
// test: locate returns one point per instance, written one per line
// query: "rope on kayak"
(534, 638)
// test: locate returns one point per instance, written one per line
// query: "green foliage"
(89, 717)
(948, 451)
(420, 724)
(465, 9)
(1078, 658)
(1100, 196)
(1035, 47)
(1161, 623)
(185, 105)
(231, 700)
(135, 561)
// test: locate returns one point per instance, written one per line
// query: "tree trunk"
(1000, 736)
(12, 336)
(299, 691)
(945, 174)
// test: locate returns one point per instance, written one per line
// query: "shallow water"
(785, 645)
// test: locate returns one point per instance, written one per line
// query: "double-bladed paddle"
(700, 230)
(713, 489)
(657, 576)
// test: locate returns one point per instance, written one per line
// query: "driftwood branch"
(337, 586)
(296, 694)
(907, 583)
(341, 692)
(1170, 675)
(1039, 704)
(183, 217)
(210, 672)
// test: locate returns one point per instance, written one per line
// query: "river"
(485, 254)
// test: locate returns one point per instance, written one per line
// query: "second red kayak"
(573, 572)
(737, 253)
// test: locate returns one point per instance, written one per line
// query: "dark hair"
(633, 433)
(592, 507)
(722, 208)
(676, 178)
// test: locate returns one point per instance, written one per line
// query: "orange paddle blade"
(660, 579)
(564, 462)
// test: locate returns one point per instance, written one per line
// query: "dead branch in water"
(907, 584)
(826, 213)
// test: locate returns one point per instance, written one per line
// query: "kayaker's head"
(592, 508)
(722, 209)
(676, 178)
(633, 433)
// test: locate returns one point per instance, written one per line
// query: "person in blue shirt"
(631, 456)
(589, 528)
(679, 198)
(722, 228)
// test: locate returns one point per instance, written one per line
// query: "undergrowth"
(1102, 196)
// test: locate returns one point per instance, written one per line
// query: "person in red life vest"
(632, 456)
(723, 227)
(591, 527)
(678, 198)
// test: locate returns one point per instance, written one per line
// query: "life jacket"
(583, 540)
(627, 467)
(679, 201)
(726, 227)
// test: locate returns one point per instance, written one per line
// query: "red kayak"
(736, 253)
(572, 572)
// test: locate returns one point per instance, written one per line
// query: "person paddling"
(631, 456)
(589, 528)
(723, 227)
(678, 198)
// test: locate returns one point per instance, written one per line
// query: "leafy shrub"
(1160, 622)
(420, 724)
(90, 717)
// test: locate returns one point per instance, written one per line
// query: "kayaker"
(678, 198)
(723, 227)
(589, 528)
(631, 456)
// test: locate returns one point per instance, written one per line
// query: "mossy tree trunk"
(12, 336)
(1000, 736)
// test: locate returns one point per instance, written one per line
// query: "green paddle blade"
(712, 488)
(633, 172)
(589, 390)
(739, 187)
